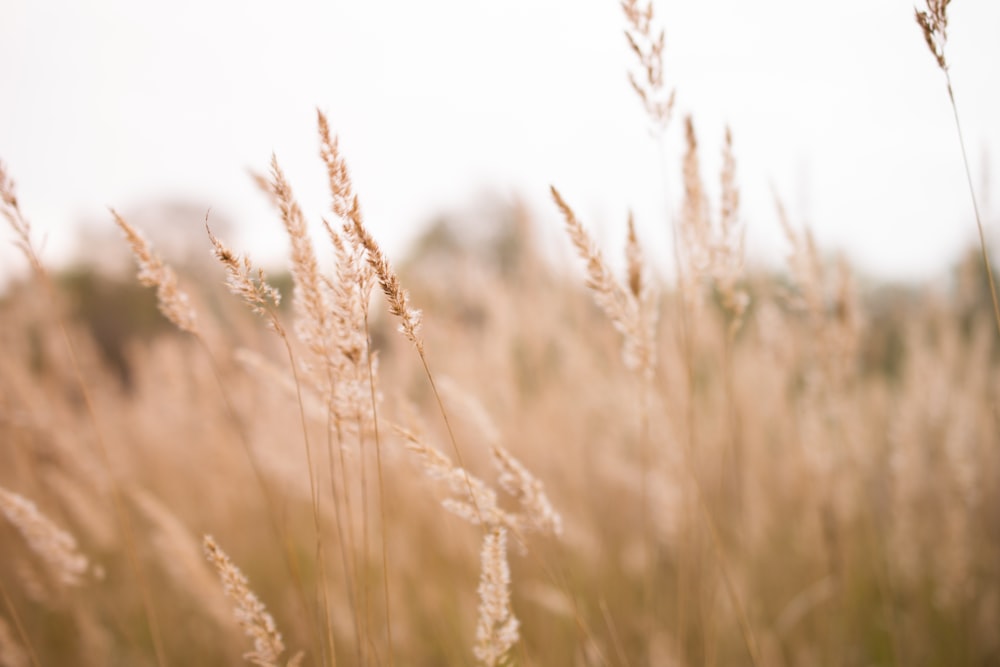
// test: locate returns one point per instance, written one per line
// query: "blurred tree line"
(104, 297)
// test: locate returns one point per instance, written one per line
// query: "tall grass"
(733, 467)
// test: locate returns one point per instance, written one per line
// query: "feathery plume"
(729, 247)
(713, 249)
(346, 206)
(350, 293)
(647, 43)
(12, 211)
(312, 306)
(643, 294)
(475, 502)
(398, 298)
(497, 628)
(621, 307)
(934, 24)
(250, 612)
(56, 547)
(174, 303)
(242, 281)
(514, 477)
(696, 225)
(341, 188)
(529, 491)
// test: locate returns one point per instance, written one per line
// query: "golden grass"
(732, 468)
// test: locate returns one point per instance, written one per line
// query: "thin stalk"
(735, 430)
(291, 563)
(645, 513)
(365, 600)
(616, 641)
(451, 435)
(314, 497)
(19, 625)
(381, 492)
(22, 228)
(346, 546)
(749, 638)
(125, 522)
(975, 204)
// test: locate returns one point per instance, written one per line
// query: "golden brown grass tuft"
(789, 468)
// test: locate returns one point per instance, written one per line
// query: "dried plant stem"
(399, 306)
(975, 204)
(366, 614)
(689, 448)
(735, 428)
(883, 577)
(313, 495)
(261, 297)
(933, 24)
(381, 495)
(19, 625)
(645, 510)
(451, 434)
(280, 532)
(347, 551)
(616, 641)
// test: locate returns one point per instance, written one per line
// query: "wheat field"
(484, 458)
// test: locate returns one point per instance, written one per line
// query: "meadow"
(486, 459)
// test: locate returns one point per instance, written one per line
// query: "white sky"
(838, 105)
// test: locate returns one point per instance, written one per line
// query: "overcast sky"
(838, 106)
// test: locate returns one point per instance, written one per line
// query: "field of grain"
(478, 457)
